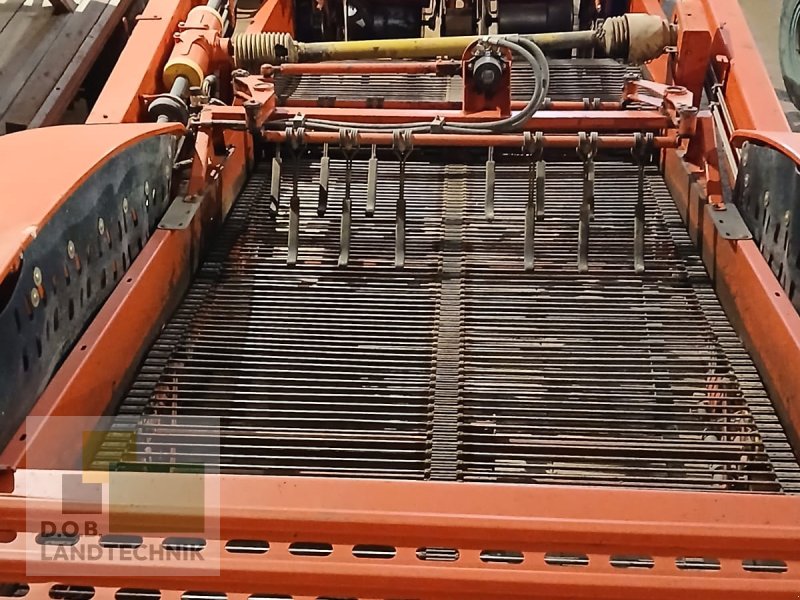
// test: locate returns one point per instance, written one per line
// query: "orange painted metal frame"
(138, 71)
(455, 140)
(534, 522)
(408, 515)
(546, 120)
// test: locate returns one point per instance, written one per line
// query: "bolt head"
(37, 276)
(124, 205)
(766, 198)
(71, 249)
(35, 298)
(101, 226)
(146, 188)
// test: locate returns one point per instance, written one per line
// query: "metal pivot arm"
(675, 101)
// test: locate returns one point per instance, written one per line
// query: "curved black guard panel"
(768, 196)
(130, 193)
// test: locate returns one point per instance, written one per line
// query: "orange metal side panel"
(533, 521)
(419, 513)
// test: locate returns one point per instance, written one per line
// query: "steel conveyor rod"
(604, 142)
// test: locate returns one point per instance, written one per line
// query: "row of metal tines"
(402, 145)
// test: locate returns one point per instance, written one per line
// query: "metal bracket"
(675, 101)
(179, 214)
(729, 222)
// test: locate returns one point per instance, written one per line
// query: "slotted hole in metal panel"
(121, 541)
(199, 595)
(696, 563)
(71, 592)
(623, 561)
(57, 539)
(438, 554)
(374, 551)
(765, 566)
(188, 544)
(566, 559)
(247, 546)
(137, 594)
(310, 549)
(14, 590)
(511, 557)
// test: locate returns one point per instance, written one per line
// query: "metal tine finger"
(324, 178)
(296, 137)
(372, 181)
(489, 191)
(275, 182)
(590, 172)
(534, 147)
(587, 149)
(403, 143)
(583, 239)
(400, 220)
(642, 147)
(348, 139)
(541, 172)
